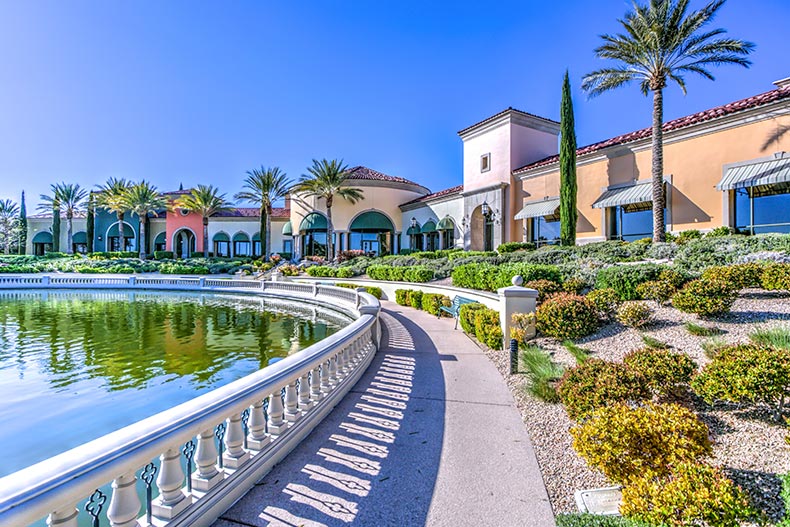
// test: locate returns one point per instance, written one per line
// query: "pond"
(75, 366)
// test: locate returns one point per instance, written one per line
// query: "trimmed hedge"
(163, 255)
(487, 328)
(400, 273)
(489, 277)
(776, 277)
(431, 302)
(370, 289)
(511, 247)
(466, 316)
(567, 316)
(705, 297)
(625, 278)
(330, 272)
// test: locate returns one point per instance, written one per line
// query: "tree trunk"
(330, 230)
(69, 232)
(267, 240)
(121, 238)
(205, 237)
(264, 232)
(659, 229)
(142, 237)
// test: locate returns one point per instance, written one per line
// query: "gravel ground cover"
(747, 442)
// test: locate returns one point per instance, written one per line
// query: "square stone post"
(515, 299)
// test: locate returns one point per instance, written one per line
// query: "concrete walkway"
(429, 436)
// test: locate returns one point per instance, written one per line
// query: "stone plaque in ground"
(599, 501)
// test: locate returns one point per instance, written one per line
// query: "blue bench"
(455, 307)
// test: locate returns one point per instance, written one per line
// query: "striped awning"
(288, 229)
(535, 209)
(756, 174)
(639, 193)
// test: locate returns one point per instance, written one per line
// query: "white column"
(124, 504)
(276, 423)
(234, 455)
(257, 438)
(65, 517)
(515, 299)
(315, 385)
(206, 475)
(326, 387)
(171, 500)
(304, 393)
(291, 403)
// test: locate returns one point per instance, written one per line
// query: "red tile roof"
(446, 192)
(365, 173)
(676, 124)
(252, 212)
(503, 112)
(81, 215)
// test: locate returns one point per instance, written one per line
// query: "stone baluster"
(348, 361)
(304, 393)
(65, 517)
(315, 385)
(340, 366)
(235, 455)
(257, 438)
(206, 476)
(171, 500)
(125, 504)
(276, 423)
(326, 387)
(291, 403)
(333, 371)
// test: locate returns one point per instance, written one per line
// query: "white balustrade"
(235, 455)
(257, 437)
(124, 505)
(206, 475)
(171, 500)
(304, 393)
(276, 424)
(291, 403)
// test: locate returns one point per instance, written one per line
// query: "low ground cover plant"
(624, 279)
(579, 354)
(773, 337)
(596, 520)
(567, 316)
(701, 331)
(705, 297)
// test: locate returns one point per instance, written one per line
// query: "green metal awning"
(128, 232)
(160, 238)
(371, 221)
(428, 227)
(413, 230)
(221, 237)
(241, 237)
(535, 209)
(43, 237)
(445, 224)
(288, 229)
(256, 237)
(639, 193)
(79, 237)
(756, 174)
(313, 222)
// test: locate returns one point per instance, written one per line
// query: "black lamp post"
(486, 209)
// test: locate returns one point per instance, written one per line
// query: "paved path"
(429, 436)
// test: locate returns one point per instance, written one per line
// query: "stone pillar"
(515, 299)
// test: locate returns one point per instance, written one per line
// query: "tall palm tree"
(9, 223)
(326, 180)
(143, 199)
(69, 198)
(263, 187)
(112, 198)
(206, 201)
(661, 43)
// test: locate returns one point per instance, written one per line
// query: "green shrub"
(606, 301)
(739, 276)
(431, 302)
(705, 297)
(511, 247)
(104, 255)
(369, 289)
(659, 291)
(402, 297)
(674, 276)
(18, 269)
(628, 443)
(415, 299)
(597, 383)
(489, 277)
(399, 273)
(720, 231)
(747, 373)
(544, 288)
(694, 494)
(567, 316)
(542, 373)
(701, 331)
(773, 337)
(625, 278)
(574, 285)
(488, 329)
(330, 272)
(466, 316)
(163, 255)
(665, 372)
(687, 236)
(596, 520)
(173, 268)
(776, 277)
(634, 314)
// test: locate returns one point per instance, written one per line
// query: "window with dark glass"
(631, 222)
(762, 209)
(545, 230)
(222, 249)
(447, 239)
(288, 246)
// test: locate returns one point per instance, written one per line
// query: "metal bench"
(455, 307)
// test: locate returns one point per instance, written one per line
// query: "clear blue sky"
(200, 92)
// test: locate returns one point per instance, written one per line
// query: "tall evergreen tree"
(90, 219)
(22, 225)
(568, 186)
(56, 227)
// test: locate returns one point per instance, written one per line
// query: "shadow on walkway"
(374, 460)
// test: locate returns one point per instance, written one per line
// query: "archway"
(160, 241)
(371, 232)
(221, 245)
(313, 235)
(241, 244)
(79, 242)
(183, 243)
(481, 236)
(42, 243)
(114, 237)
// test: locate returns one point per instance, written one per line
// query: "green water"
(77, 365)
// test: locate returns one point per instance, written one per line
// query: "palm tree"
(206, 201)
(68, 198)
(112, 198)
(9, 223)
(263, 188)
(662, 43)
(328, 179)
(143, 199)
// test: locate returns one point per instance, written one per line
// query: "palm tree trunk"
(659, 229)
(267, 224)
(205, 237)
(264, 232)
(121, 241)
(330, 231)
(70, 233)
(142, 236)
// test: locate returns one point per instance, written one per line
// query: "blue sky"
(199, 92)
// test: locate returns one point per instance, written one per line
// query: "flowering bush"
(567, 316)
(317, 259)
(664, 371)
(634, 314)
(739, 276)
(705, 297)
(544, 288)
(275, 258)
(289, 270)
(606, 301)
(660, 291)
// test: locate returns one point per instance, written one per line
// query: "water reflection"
(77, 365)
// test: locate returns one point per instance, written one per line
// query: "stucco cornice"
(434, 201)
(482, 190)
(510, 116)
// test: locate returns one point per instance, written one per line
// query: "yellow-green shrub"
(488, 329)
(705, 297)
(694, 494)
(776, 277)
(466, 316)
(605, 300)
(664, 371)
(431, 302)
(544, 288)
(567, 316)
(739, 276)
(573, 285)
(402, 297)
(415, 299)
(627, 443)
(634, 314)
(659, 291)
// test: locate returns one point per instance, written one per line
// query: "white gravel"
(747, 443)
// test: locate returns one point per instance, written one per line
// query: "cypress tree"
(22, 225)
(56, 228)
(568, 188)
(89, 218)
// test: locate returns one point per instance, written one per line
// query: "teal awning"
(128, 232)
(160, 238)
(428, 227)
(639, 193)
(756, 174)
(288, 229)
(445, 224)
(79, 237)
(221, 237)
(43, 237)
(535, 209)
(241, 237)
(371, 221)
(413, 230)
(313, 222)
(256, 237)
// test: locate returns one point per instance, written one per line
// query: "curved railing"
(226, 439)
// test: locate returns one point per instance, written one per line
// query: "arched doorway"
(371, 232)
(42, 243)
(160, 242)
(114, 238)
(482, 229)
(241, 244)
(312, 234)
(430, 236)
(183, 243)
(221, 245)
